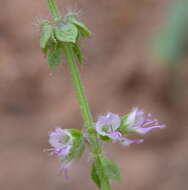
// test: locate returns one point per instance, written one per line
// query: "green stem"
(53, 9)
(82, 99)
(79, 89)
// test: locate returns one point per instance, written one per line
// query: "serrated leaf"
(66, 32)
(78, 53)
(110, 168)
(54, 57)
(45, 34)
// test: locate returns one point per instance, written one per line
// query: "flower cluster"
(68, 144)
(115, 127)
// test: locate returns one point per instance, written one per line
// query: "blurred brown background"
(118, 76)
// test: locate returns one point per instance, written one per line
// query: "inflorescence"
(110, 128)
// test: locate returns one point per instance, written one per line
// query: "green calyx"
(123, 128)
(82, 29)
(66, 32)
(78, 145)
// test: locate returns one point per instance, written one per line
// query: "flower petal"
(142, 130)
(115, 135)
(127, 142)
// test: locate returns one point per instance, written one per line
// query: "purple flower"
(61, 141)
(107, 126)
(138, 122)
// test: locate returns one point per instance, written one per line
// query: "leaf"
(94, 176)
(45, 34)
(78, 53)
(54, 57)
(66, 32)
(98, 175)
(110, 168)
(50, 45)
(85, 32)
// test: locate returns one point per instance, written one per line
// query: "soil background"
(118, 74)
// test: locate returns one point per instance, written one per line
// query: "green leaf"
(54, 57)
(98, 175)
(110, 168)
(94, 176)
(45, 34)
(66, 32)
(78, 53)
(85, 32)
(50, 45)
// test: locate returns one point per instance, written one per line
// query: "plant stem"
(53, 9)
(79, 89)
(82, 99)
